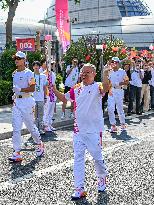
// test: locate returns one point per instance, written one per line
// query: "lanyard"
(39, 78)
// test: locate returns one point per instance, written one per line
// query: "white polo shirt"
(135, 77)
(40, 81)
(72, 78)
(117, 77)
(87, 108)
(23, 79)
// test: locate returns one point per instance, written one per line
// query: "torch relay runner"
(88, 126)
(23, 107)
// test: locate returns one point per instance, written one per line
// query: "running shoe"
(102, 184)
(123, 127)
(16, 157)
(39, 149)
(79, 193)
(113, 129)
(52, 128)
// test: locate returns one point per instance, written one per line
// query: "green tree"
(77, 1)
(85, 50)
(11, 5)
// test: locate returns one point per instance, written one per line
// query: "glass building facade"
(133, 8)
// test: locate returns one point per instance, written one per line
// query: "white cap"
(116, 59)
(20, 55)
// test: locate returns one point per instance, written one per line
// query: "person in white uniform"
(51, 99)
(118, 78)
(39, 95)
(23, 107)
(88, 126)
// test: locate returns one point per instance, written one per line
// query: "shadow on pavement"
(48, 136)
(122, 136)
(20, 170)
(103, 198)
(83, 201)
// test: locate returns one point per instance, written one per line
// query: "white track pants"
(48, 112)
(116, 99)
(23, 111)
(91, 142)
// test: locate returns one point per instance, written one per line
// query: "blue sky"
(35, 9)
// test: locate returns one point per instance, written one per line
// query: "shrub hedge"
(5, 92)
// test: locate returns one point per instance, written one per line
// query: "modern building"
(130, 20)
(23, 29)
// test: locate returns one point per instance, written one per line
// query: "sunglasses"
(18, 58)
(114, 62)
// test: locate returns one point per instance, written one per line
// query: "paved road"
(49, 180)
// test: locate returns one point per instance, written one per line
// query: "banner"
(63, 23)
(25, 44)
(48, 38)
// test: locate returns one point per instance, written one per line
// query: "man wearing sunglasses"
(118, 78)
(23, 107)
(88, 125)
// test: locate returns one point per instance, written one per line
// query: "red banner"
(25, 44)
(63, 23)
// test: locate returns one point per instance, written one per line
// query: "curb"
(57, 125)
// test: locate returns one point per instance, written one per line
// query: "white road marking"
(55, 168)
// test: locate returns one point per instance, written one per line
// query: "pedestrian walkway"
(6, 120)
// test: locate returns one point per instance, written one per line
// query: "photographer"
(137, 75)
(72, 76)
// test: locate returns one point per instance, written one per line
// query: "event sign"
(25, 44)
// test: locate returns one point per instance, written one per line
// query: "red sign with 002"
(25, 44)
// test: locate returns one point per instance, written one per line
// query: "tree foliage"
(85, 50)
(11, 5)
(77, 1)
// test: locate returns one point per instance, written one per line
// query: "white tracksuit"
(88, 125)
(23, 110)
(50, 104)
(116, 96)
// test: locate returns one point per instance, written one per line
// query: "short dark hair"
(36, 63)
(42, 61)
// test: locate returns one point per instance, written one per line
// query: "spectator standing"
(151, 82)
(118, 78)
(145, 92)
(126, 67)
(72, 77)
(137, 75)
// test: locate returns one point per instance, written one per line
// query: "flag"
(63, 23)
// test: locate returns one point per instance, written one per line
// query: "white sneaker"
(41, 132)
(39, 149)
(47, 129)
(113, 129)
(79, 193)
(123, 127)
(102, 184)
(16, 157)
(72, 115)
(52, 128)
(63, 116)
